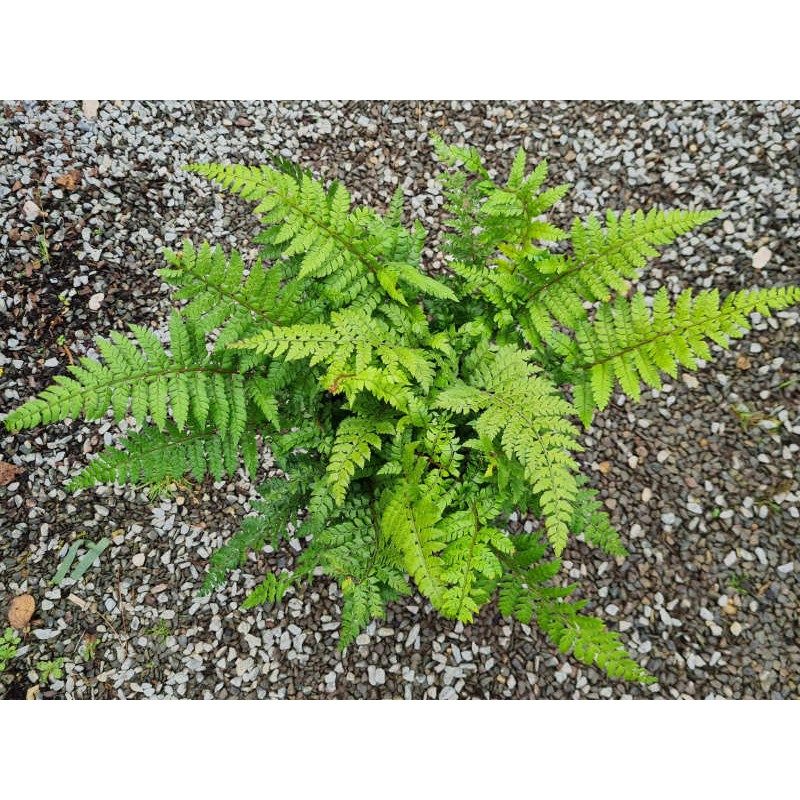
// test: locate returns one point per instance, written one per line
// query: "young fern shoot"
(409, 413)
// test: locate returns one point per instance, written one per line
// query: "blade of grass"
(67, 562)
(89, 558)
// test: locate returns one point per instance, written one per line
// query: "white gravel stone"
(690, 380)
(30, 210)
(761, 257)
(665, 617)
(376, 675)
(95, 301)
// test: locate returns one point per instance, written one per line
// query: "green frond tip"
(605, 259)
(220, 296)
(362, 602)
(472, 555)
(593, 523)
(588, 640)
(280, 504)
(342, 248)
(633, 340)
(454, 155)
(270, 590)
(139, 375)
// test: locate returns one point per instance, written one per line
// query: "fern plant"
(409, 414)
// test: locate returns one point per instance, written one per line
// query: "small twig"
(119, 600)
(92, 608)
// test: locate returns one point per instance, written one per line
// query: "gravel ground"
(701, 478)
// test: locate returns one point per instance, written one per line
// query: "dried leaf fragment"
(21, 611)
(70, 180)
(8, 472)
(79, 601)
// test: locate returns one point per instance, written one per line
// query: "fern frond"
(630, 341)
(472, 562)
(339, 248)
(592, 521)
(532, 421)
(525, 594)
(280, 504)
(588, 639)
(351, 450)
(270, 590)
(152, 455)
(411, 525)
(605, 258)
(351, 344)
(411, 275)
(368, 568)
(145, 379)
(366, 599)
(455, 155)
(221, 297)
(362, 602)
(524, 581)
